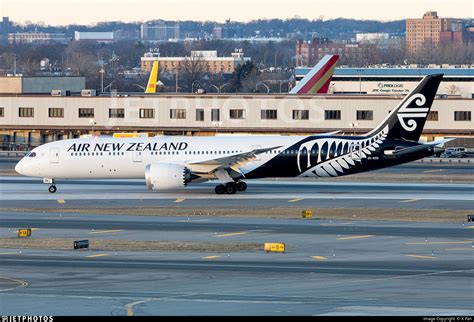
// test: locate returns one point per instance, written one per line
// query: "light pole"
(353, 126)
(192, 86)
(92, 122)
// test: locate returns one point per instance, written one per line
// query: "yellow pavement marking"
(410, 200)
(179, 200)
(419, 256)
(437, 170)
(321, 258)
(470, 227)
(61, 201)
(210, 257)
(295, 200)
(439, 243)
(231, 234)
(97, 255)
(10, 253)
(472, 248)
(105, 231)
(33, 229)
(355, 237)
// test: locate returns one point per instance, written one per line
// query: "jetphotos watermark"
(24, 318)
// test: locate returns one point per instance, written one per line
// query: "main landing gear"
(230, 188)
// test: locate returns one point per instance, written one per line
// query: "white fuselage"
(115, 158)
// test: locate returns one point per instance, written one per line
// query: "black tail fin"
(407, 120)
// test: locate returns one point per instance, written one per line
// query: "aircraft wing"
(232, 161)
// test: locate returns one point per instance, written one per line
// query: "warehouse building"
(31, 120)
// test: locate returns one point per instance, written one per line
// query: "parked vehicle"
(454, 153)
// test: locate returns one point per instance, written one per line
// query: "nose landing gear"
(52, 188)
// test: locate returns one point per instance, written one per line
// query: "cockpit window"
(32, 154)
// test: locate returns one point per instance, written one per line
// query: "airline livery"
(172, 162)
(318, 78)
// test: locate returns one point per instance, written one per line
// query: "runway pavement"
(330, 267)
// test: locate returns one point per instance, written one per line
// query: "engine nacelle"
(166, 176)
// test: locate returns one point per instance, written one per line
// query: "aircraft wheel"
(220, 189)
(52, 189)
(230, 188)
(241, 186)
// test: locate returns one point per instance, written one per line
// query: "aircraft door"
(137, 156)
(54, 155)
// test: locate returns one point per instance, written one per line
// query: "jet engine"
(166, 176)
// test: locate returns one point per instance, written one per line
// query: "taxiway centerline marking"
(472, 248)
(355, 237)
(295, 200)
(179, 200)
(321, 258)
(210, 257)
(97, 255)
(61, 201)
(440, 243)
(410, 200)
(231, 234)
(437, 170)
(105, 231)
(420, 256)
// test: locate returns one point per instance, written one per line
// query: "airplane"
(173, 162)
(317, 80)
(152, 81)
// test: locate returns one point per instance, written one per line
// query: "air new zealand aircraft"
(173, 162)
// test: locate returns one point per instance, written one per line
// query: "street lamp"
(219, 89)
(353, 126)
(92, 123)
(192, 86)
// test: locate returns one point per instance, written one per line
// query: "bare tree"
(191, 71)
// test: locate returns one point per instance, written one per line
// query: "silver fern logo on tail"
(409, 114)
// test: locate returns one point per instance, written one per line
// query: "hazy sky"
(57, 12)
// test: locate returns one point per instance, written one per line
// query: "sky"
(63, 12)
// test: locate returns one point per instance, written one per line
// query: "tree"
(192, 70)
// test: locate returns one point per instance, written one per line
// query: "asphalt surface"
(329, 267)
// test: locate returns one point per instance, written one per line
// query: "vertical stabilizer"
(151, 86)
(318, 78)
(407, 120)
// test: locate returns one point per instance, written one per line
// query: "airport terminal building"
(457, 80)
(30, 120)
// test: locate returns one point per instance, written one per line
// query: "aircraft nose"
(19, 167)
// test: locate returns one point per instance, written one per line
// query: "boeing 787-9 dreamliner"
(173, 162)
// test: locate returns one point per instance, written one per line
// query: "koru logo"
(409, 114)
